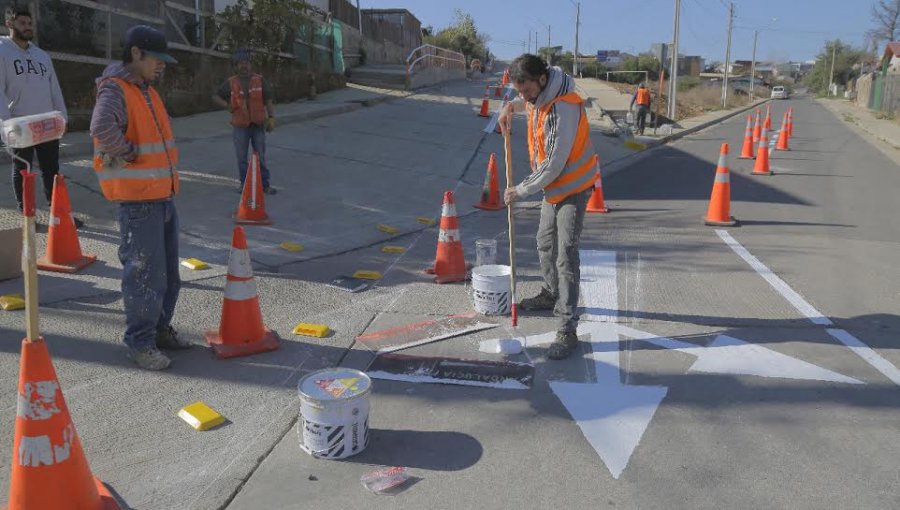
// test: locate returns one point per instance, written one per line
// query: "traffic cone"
(498, 89)
(449, 262)
(719, 212)
(596, 203)
(241, 330)
(761, 167)
(49, 468)
(768, 122)
(490, 193)
(747, 149)
(505, 80)
(790, 128)
(485, 108)
(757, 129)
(63, 253)
(782, 144)
(252, 209)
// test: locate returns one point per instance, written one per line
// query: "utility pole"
(727, 57)
(528, 49)
(674, 74)
(577, 22)
(753, 66)
(831, 80)
(359, 11)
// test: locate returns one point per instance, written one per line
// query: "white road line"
(777, 283)
(865, 352)
(599, 289)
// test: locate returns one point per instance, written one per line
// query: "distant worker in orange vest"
(642, 98)
(134, 160)
(564, 166)
(249, 98)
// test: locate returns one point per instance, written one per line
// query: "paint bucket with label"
(334, 413)
(490, 289)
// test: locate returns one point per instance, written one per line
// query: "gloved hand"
(113, 161)
(270, 124)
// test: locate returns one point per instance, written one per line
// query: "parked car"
(779, 92)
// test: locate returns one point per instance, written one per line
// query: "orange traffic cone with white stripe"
(768, 123)
(490, 193)
(449, 262)
(747, 149)
(63, 253)
(595, 203)
(761, 167)
(782, 144)
(485, 108)
(241, 331)
(790, 128)
(719, 212)
(252, 209)
(757, 129)
(49, 468)
(498, 89)
(505, 80)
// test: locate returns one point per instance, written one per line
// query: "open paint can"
(334, 413)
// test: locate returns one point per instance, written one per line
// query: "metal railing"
(433, 56)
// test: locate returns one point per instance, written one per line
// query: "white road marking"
(599, 289)
(867, 353)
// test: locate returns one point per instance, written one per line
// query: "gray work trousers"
(558, 237)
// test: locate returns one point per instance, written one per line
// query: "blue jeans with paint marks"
(243, 138)
(148, 250)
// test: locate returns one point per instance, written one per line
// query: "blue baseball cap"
(149, 40)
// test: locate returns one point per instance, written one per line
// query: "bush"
(687, 83)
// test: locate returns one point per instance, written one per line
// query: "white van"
(778, 92)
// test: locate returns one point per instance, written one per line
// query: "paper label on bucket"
(338, 387)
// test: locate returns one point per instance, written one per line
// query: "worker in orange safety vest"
(642, 98)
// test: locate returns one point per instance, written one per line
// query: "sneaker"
(168, 339)
(543, 301)
(150, 359)
(561, 348)
(268, 190)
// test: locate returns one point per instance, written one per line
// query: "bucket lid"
(491, 270)
(334, 384)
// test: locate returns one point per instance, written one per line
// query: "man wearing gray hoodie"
(28, 86)
(563, 165)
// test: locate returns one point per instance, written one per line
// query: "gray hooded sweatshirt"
(28, 83)
(560, 129)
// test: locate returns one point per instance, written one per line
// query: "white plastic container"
(31, 130)
(491, 289)
(334, 413)
(485, 252)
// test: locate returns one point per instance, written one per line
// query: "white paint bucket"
(490, 289)
(334, 413)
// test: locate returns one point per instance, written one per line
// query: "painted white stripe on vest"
(239, 264)
(134, 173)
(240, 291)
(448, 236)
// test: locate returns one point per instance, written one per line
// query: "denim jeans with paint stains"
(148, 250)
(243, 138)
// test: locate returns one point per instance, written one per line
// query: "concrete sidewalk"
(865, 120)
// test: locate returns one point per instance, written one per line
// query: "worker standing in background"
(642, 98)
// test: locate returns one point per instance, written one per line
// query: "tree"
(846, 59)
(886, 16)
(644, 62)
(461, 36)
(268, 25)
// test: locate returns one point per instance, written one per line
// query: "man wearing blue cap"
(135, 160)
(249, 99)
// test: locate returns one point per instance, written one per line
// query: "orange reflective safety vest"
(249, 109)
(643, 97)
(152, 174)
(580, 171)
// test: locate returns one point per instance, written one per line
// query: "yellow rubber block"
(635, 146)
(387, 229)
(12, 302)
(195, 264)
(367, 275)
(291, 246)
(393, 249)
(424, 220)
(307, 329)
(200, 416)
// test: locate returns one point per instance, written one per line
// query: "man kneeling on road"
(563, 164)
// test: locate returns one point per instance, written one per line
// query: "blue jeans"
(148, 250)
(256, 136)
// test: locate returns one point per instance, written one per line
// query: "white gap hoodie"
(28, 83)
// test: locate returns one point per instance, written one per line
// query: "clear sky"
(799, 31)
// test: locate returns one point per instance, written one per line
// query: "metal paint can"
(334, 413)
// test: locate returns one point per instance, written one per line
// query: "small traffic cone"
(768, 123)
(719, 212)
(490, 193)
(498, 89)
(49, 468)
(747, 149)
(449, 262)
(63, 253)
(790, 126)
(241, 330)
(761, 167)
(252, 209)
(757, 129)
(505, 80)
(595, 203)
(485, 108)
(782, 144)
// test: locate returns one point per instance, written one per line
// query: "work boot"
(562, 347)
(168, 339)
(268, 190)
(543, 301)
(150, 359)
